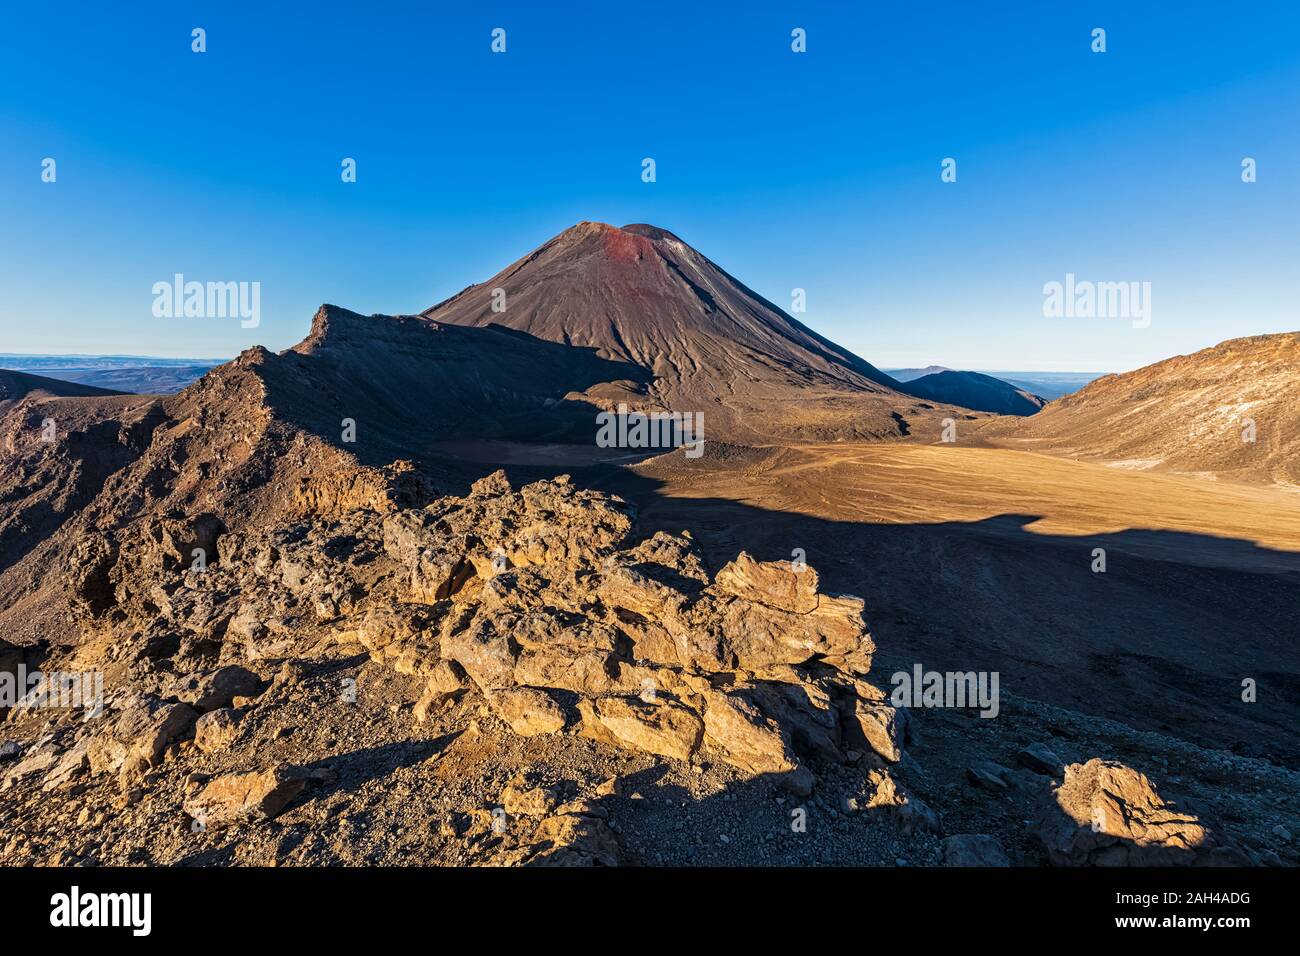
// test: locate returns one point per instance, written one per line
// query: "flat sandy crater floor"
(983, 559)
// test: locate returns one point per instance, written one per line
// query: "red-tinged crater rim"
(619, 245)
(631, 243)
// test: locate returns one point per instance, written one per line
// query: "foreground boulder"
(882, 792)
(1040, 759)
(1107, 814)
(751, 740)
(656, 726)
(527, 710)
(216, 730)
(575, 835)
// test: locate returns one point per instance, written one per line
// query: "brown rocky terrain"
(1228, 412)
(530, 608)
(330, 630)
(520, 676)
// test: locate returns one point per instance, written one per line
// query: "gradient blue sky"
(819, 170)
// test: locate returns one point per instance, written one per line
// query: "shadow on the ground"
(1168, 638)
(349, 771)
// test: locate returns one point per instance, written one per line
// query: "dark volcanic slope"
(983, 393)
(410, 381)
(641, 295)
(704, 341)
(16, 385)
(1191, 413)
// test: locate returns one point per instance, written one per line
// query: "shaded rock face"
(139, 735)
(215, 690)
(1107, 814)
(12, 659)
(536, 598)
(44, 484)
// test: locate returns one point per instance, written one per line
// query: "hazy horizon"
(203, 360)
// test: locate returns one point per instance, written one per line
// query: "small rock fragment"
(1039, 758)
(973, 849)
(246, 797)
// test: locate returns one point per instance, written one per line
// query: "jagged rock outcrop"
(533, 595)
(535, 598)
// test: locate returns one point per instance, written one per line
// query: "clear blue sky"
(818, 170)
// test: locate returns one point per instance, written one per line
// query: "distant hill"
(1047, 385)
(976, 391)
(124, 373)
(910, 374)
(16, 385)
(145, 380)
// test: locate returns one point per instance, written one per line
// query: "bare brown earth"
(424, 764)
(1190, 414)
